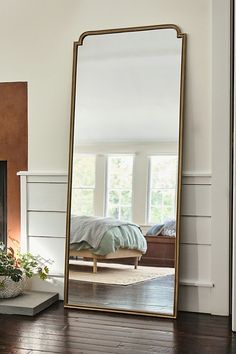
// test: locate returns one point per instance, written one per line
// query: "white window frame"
(87, 188)
(107, 175)
(147, 216)
(141, 162)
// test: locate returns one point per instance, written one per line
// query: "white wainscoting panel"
(43, 207)
(195, 298)
(196, 200)
(47, 196)
(52, 284)
(50, 249)
(195, 262)
(196, 230)
(44, 223)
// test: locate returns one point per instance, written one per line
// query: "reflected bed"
(100, 238)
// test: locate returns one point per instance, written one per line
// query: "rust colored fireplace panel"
(13, 147)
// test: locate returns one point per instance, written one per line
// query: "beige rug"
(115, 274)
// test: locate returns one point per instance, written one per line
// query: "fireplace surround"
(13, 156)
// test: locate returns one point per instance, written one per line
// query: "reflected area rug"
(115, 274)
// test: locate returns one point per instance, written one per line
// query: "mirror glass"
(124, 197)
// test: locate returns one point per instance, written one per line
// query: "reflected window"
(119, 187)
(162, 188)
(83, 184)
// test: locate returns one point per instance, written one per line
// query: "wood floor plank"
(68, 331)
(99, 338)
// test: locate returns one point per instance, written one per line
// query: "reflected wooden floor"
(156, 295)
(67, 331)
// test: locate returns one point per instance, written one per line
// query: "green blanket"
(125, 236)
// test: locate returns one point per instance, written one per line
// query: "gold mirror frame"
(77, 44)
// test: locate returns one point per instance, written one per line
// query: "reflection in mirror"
(125, 167)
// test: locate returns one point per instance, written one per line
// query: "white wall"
(36, 40)
(36, 46)
(220, 152)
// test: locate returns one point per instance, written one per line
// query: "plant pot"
(11, 288)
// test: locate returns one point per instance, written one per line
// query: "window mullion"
(100, 186)
(140, 188)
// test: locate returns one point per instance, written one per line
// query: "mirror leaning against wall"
(125, 164)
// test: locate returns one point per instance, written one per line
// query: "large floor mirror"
(125, 164)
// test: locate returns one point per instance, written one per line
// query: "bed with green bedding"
(105, 238)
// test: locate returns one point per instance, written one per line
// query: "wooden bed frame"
(121, 253)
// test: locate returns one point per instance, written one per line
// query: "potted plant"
(15, 268)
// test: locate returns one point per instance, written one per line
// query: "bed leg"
(136, 262)
(94, 265)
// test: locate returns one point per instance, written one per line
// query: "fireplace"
(3, 202)
(13, 157)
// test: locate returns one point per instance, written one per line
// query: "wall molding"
(203, 174)
(65, 173)
(196, 283)
(42, 173)
(196, 178)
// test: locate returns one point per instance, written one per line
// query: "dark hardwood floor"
(155, 295)
(59, 330)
